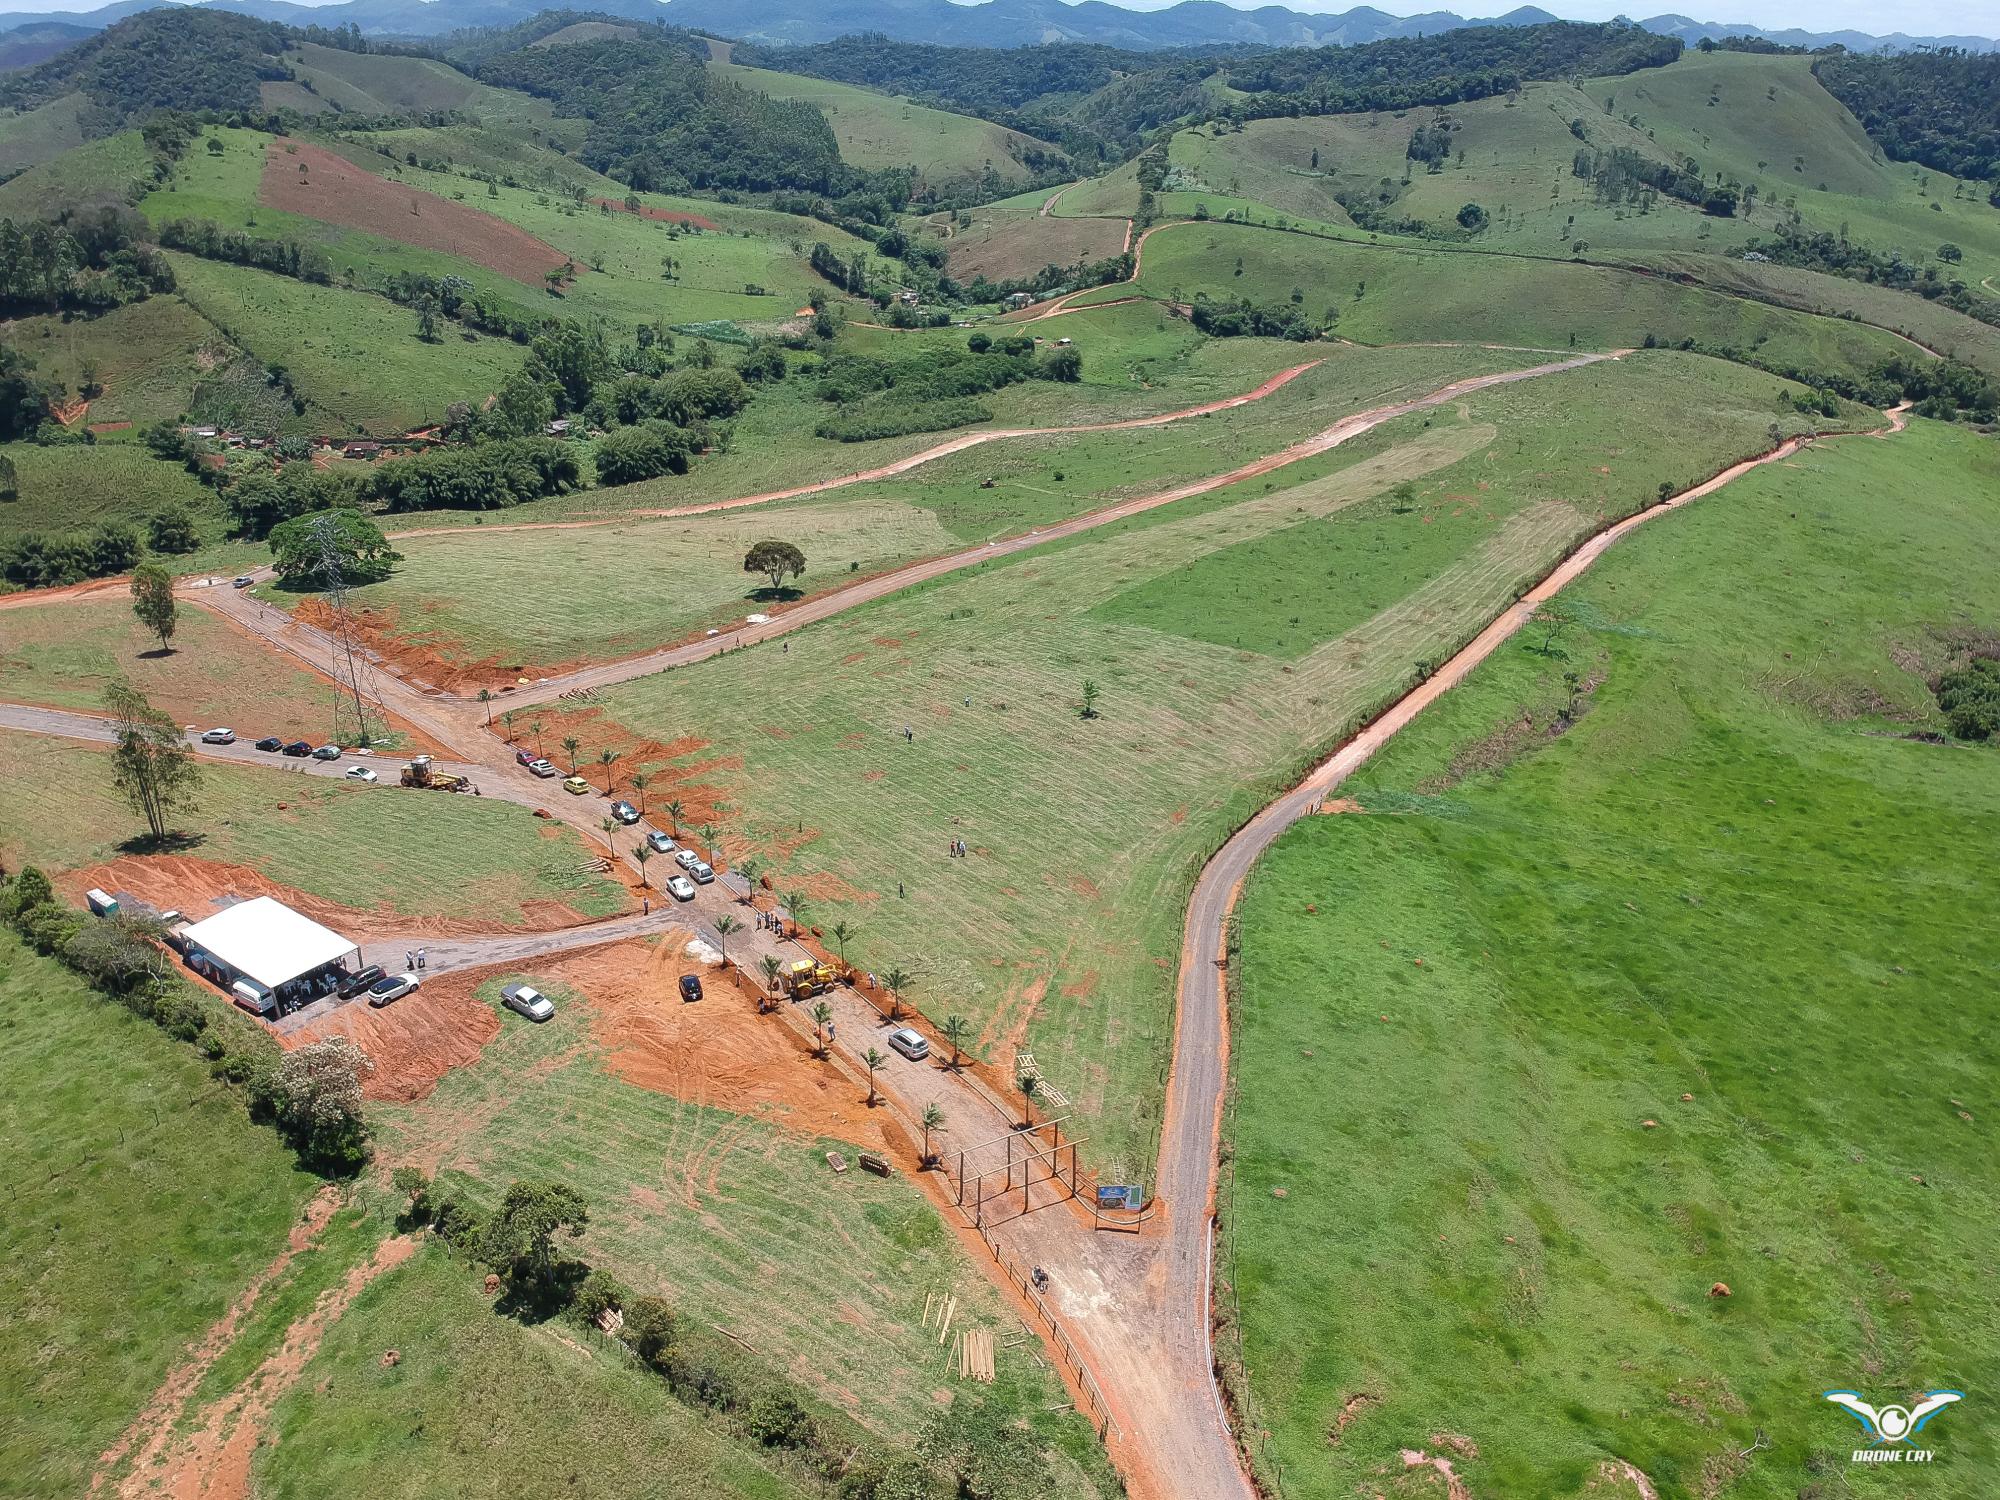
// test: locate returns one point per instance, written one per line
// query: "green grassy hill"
(1634, 1007)
(37, 134)
(878, 130)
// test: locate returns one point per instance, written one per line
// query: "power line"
(333, 579)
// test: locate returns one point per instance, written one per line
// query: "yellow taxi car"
(576, 786)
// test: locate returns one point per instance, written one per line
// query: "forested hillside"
(1939, 108)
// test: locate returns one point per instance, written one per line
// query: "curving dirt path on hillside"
(834, 602)
(1196, 1085)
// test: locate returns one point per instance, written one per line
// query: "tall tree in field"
(520, 1237)
(153, 601)
(776, 561)
(319, 1104)
(152, 764)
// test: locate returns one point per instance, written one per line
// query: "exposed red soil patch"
(100, 427)
(334, 190)
(415, 1042)
(718, 1051)
(154, 1426)
(667, 216)
(428, 655)
(1083, 988)
(673, 772)
(823, 886)
(212, 1462)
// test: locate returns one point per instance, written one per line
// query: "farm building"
(266, 956)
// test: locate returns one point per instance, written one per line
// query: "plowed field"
(308, 180)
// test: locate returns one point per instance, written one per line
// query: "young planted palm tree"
(639, 781)
(771, 966)
(822, 1015)
(795, 908)
(897, 980)
(643, 852)
(956, 1029)
(748, 868)
(932, 1119)
(724, 925)
(674, 810)
(872, 1060)
(609, 827)
(842, 931)
(1027, 1083)
(571, 744)
(486, 698)
(538, 728)
(607, 758)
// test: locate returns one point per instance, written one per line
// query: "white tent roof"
(267, 941)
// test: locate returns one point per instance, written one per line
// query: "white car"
(910, 1043)
(362, 773)
(389, 991)
(219, 737)
(526, 1000)
(541, 768)
(687, 859)
(681, 888)
(702, 872)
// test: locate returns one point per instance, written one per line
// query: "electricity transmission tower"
(349, 659)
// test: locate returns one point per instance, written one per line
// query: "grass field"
(354, 357)
(149, 356)
(72, 488)
(655, 581)
(63, 655)
(474, 1394)
(95, 172)
(140, 1201)
(1384, 295)
(376, 849)
(880, 130)
(1062, 928)
(1014, 238)
(1718, 903)
(739, 1222)
(40, 134)
(1760, 120)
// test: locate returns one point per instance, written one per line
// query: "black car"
(690, 987)
(298, 748)
(269, 743)
(354, 984)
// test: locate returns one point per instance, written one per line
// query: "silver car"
(702, 872)
(526, 1000)
(659, 843)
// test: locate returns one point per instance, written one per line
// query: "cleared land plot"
(1459, 1013)
(64, 654)
(1061, 929)
(474, 1393)
(312, 181)
(388, 855)
(140, 1203)
(1014, 238)
(880, 130)
(1386, 295)
(355, 357)
(740, 1223)
(458, 596)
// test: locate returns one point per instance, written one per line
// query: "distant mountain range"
(27, 37)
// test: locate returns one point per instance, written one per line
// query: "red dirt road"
(313, 181)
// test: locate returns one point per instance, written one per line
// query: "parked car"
(241, 581)
(576, 786)
(269, 743)
(687, 859)
(910, 1043)
(327, 752)
(659, 843)
(389, 991)
(542, 767)
(526, 1000)
(624, 812)
(361, 773)
(690, 987)
(702, 872)
(681, 888)
(355, 983)
(524, 757)
(298, 748)
(219, 737)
